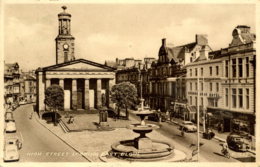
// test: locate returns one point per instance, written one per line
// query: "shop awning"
(192, 109)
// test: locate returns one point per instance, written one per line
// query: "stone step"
(63, 126)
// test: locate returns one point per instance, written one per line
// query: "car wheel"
(185, 130)
(236, 149)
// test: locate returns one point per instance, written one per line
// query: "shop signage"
(226, 114)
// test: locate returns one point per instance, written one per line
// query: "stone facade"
(83, 81)
(11, 82)
(229, 83)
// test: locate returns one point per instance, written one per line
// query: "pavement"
(91, 144)
(218, 136)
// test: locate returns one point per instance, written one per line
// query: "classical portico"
(83, 83)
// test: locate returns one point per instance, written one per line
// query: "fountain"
(142, 148)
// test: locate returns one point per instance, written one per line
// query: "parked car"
(11, 148)
(10, 126)
(237, 143)
(188, 126)
(9, 116)
(22, 102)
(155, 116)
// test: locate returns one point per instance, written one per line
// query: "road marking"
(21, 136)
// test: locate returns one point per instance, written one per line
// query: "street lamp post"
(198, 124)
(142, 100)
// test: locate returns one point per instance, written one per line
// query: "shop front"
(214, 118)
(231, 121)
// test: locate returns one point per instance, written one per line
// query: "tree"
(54, 98)
(124, 95)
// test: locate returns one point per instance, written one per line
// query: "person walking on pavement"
(219, 127)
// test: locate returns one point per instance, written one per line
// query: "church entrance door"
(79, 98)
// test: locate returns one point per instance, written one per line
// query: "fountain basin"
(138, 127)
(126, 149)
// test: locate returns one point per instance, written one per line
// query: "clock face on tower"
(65, 46)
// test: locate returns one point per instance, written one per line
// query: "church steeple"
(64, 41)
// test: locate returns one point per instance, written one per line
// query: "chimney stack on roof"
(164, 42)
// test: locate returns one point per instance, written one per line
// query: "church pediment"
(78, 65)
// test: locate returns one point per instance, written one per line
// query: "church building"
(83, 81)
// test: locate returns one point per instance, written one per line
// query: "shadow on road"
(219, 154)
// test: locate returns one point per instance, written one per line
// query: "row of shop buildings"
(221, 82)
(18, 85)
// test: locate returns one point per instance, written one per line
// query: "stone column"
(151, 87)
(111, 83)
(87, 94)
(40, 92)
(61, 83)
(74, 94)
(98, 93)
(170, 89)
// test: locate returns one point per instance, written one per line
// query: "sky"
(109, 31)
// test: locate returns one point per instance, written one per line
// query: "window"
(234, 68)
(240, 67)
(217, 87)
(247, 66)
(201, 70)
(190, 86)
(196, 72)
(190, 72)
(196, 86)
(216, 103)
(201, 99)
(234, 98)
(226, 94)
(30, 83)
(216, 70)
(201, 86)
(190, 100)
(210, 86)
(226, 67)
(190, 59)
(196, 101)
(247, 98)
(210, 71)
(240, 97)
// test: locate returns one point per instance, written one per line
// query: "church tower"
(64, 41)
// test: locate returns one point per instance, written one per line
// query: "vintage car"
(9, 116)
(22, 102)
(237, 143)
(11, 148)
(188, 126)
(10, 126)
(155, 116)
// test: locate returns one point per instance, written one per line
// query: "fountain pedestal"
(141, 148)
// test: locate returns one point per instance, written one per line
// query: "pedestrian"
(219, 127)
(222, 128)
